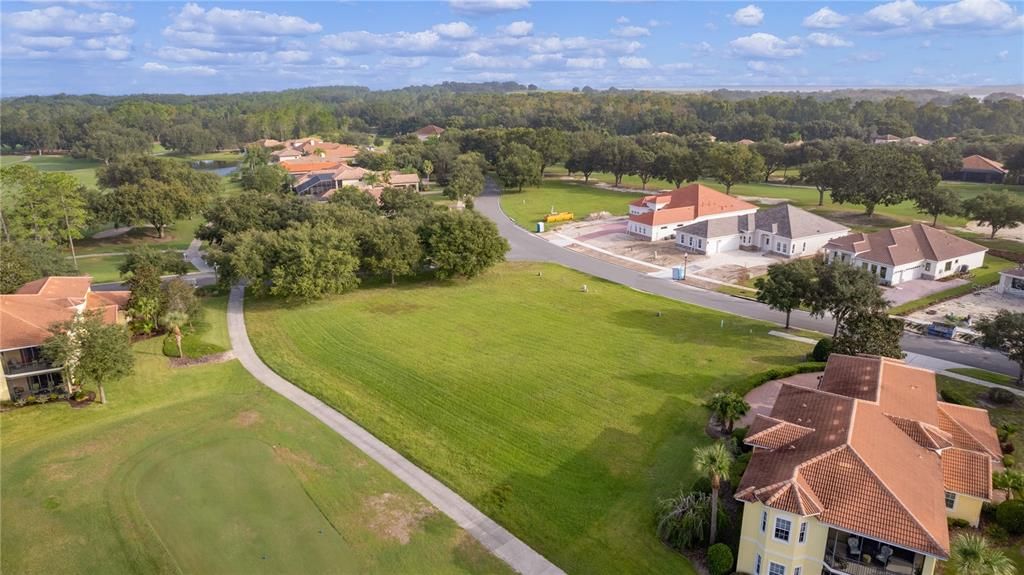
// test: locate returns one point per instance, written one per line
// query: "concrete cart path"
(491, 535)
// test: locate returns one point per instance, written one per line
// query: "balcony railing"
(23, 367)
(866, 556)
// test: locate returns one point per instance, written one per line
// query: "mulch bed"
(206, 359)
(90, 396)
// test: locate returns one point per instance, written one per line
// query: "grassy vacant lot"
(985, 375)
(532, 204)
(565, 416)
(203, 470)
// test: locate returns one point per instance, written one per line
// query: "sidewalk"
(491, 535)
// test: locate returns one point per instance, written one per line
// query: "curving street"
(526, 246)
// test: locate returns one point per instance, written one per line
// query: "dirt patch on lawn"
(1015, 234)
(205, 360)
(58, 471)
(392, 308)
(395, 517)
(92, 448)
(248, 418)
(301, 462)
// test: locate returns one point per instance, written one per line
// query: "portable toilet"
(540, 227)
(677, 273)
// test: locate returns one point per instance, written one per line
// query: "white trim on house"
(889, 274)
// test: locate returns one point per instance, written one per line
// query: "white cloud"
(826, 18)
(765, 67)
(980, 13)
(585, 63)
(1003, 55)
(474, 61)
(46, 42)
(363, 42)
(828, 40)
(517, 29)
(230, 22)
(634, 63)
(57, 20)
(677, 66)
(193, 70)
(969, 15)
(622, 20)
(488, 6)
(652, 23)
(749, 15)
(293, 56)
(762, 45)
(630, 31)
(210, 56)
(703, 48)
(343, 63)
(863, 57)
(406, 62)
(455, 30)
(897, 14)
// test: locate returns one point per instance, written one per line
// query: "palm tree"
(714, 462)
(728, 406)
(1011, 481)
(683, 519)
(971, 555)
(174, 320)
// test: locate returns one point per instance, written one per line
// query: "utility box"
(540, 227)
(678, 273)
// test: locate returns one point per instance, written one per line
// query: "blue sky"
(119, 47)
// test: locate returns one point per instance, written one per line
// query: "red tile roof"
(303, 166)
(982, 164)
(687, 204)
(870, 451)
(27, 314)
(430, 130)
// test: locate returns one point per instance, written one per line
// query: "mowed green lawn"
(83, 170)
(204, 470)
(563, 415)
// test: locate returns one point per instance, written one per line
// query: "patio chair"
(884, 555)
(853, 547)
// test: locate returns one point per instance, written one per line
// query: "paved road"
(526, 246)
(491, 535)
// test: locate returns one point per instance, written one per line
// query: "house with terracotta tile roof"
(784, 230)
(656, 217)
(25, 320)
(429, 131)
(860, 474)
(322, 184)
(917, 251)
(978, 168)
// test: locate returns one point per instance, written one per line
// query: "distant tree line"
(104, 127)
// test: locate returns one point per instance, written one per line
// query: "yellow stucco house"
(859, 475)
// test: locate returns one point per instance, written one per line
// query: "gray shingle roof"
(784, 220)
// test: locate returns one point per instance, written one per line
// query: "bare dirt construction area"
(976, 305)
(1016, 234)
(394, 517)
(607, 239)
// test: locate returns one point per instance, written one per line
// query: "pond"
(219, 167)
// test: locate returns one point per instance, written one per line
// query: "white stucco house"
(656, 217)
(910, 252)
(1011, 282)
(784, 229)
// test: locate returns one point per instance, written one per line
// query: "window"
(776, 569)
(757, 565)
(691, 240)
(950, 500)
(949, 266)
(1017, 283)
(804, 249)
(782, 527)
(874, 268)
(764, 521)
(927, 266)
(778, 246)
(699, 244)
(803, 534)
(796, 570)
(885, 270)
